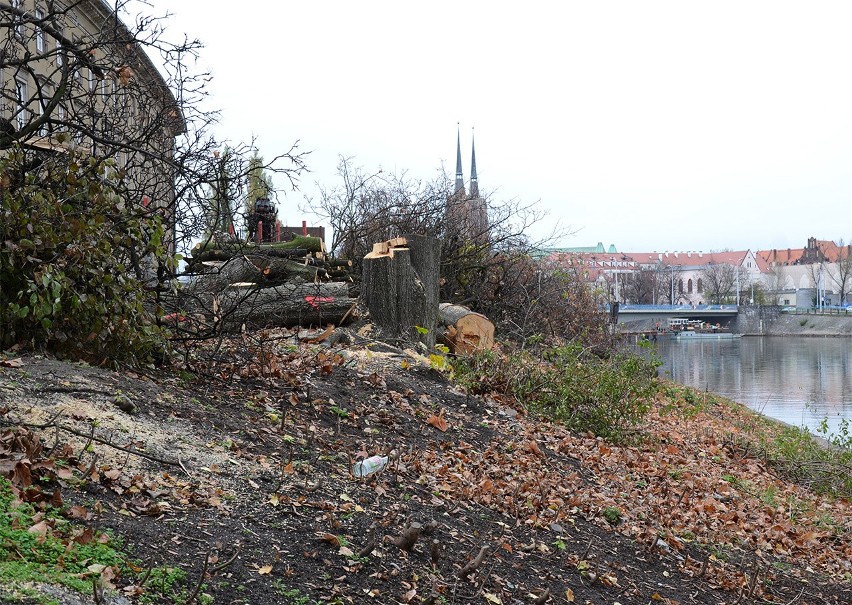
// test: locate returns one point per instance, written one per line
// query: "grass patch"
(821, 462)
(41, 546)
(607, 395)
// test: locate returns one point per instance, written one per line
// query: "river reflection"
(795, 379)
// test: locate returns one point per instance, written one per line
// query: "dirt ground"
(240, 474)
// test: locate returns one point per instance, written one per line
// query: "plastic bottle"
(368, 466)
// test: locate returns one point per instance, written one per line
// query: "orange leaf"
(438, 422)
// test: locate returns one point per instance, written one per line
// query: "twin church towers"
(467, 214)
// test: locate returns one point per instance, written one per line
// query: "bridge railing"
(670, 308)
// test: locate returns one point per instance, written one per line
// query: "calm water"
(795, 379)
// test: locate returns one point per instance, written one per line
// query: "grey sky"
(650, 125)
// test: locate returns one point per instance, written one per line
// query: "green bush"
(608, 396)
(75, 258)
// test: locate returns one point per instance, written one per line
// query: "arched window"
(700, 286)
(689, 287)
(680, 286)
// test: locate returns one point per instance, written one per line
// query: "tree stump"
(400, 287)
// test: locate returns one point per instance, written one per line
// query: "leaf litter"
(264, 484)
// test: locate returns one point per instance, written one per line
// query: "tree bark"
(286, 305)
(254, 269)
(463, 330)
(400, 288)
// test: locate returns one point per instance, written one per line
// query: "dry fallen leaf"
(438, 422)
(265, 570)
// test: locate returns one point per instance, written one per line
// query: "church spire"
(474, 182)
(459, 174)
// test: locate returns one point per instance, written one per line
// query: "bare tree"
(775, 283)
(720, 281)
(843, 277)
(75, 76)
(817, 273)
(79, 96)
(669, 285)
(488, 267)
(640, 286)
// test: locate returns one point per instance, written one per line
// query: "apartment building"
(72, 75)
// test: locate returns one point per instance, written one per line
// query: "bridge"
(710, 313)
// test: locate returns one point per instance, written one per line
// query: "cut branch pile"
(281, 284)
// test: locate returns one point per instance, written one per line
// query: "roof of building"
(637, 260)
(794, 256)
(599, 249)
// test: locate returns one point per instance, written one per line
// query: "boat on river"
(694, 329)
(703, 335)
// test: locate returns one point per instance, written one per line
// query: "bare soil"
(244, 481)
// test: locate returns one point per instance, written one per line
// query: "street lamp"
(738, 285)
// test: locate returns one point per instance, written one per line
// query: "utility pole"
(738, 285)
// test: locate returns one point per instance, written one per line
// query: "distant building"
(467, 214)
(73, 77)
(817, 251)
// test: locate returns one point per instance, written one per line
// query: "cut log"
(464, 331)
(287, 305)
(311, 244)
(226, 254)
(400, 287)
(253, 269)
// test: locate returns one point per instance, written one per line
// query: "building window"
(700, 286)
(46, 95)
(21, 92)
(680, 286)
(59, 60)
(39, 32)
(689, 286)
(19, 26)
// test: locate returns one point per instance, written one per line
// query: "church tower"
(467, 215)
(459, 190)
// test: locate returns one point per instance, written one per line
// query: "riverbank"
(759, 321)
(790, 324)
(239, 489)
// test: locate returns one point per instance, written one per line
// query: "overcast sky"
(653, 126)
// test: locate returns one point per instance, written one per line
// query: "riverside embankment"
(769, 321)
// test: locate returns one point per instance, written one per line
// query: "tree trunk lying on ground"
(286, 305)
(255, 269)
(463, 330)
(305, 242)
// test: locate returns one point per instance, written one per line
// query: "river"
(799, 380)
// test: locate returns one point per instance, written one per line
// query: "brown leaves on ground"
(684, 494)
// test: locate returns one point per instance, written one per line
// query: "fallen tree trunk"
(306, 242)
(229, 253)
(464, 331)
(286, 305)
(254, 269)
